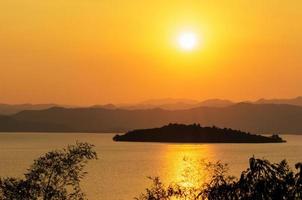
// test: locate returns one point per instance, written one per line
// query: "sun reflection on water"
(186, 164)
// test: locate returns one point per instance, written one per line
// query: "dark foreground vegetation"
(54, 176)
(194, 134)
(57, 176)
(261, 181)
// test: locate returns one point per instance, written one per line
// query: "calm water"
(122, 168)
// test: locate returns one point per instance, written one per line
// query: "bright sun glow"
(187, 40)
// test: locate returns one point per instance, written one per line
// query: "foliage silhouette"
(263, 180)
(54, 176)
(194, 133)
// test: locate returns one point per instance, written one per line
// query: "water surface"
(121, 170)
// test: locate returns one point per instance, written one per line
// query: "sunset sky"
(85, 52)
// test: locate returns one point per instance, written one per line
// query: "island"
(194, 133)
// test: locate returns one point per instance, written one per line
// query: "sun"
(187, 41)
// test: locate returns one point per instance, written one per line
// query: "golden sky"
(100, 51)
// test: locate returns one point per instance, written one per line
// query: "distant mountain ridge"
(181, 104)
(166, 104)
(256, 118)
(216, 103)
(177, 104)
(294, 101)
(8, 109)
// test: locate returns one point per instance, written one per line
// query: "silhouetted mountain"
(182, 104)
(194, 134)
(10, 124)
(216, 103)
(168, 101)
(294, 101)
(177, 104)
(167, 104)
(97, 119)
(7, 109)
(256, 118)
(106, 106)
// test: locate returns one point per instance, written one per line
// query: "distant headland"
(194, 133)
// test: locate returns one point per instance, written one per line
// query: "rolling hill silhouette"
(8, 109)
(177, 104)
(294, 101)
(256, 118)
(166, 104)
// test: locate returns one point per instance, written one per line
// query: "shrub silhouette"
(57, 176)
(262, 180)
(54, 176)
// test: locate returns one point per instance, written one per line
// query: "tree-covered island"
(194, 133)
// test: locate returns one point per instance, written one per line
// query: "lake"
(121, 170)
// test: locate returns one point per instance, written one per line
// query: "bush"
(54, 176)
(262, 180)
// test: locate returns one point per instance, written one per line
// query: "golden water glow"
(186, 168)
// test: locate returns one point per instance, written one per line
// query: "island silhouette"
(195, 133)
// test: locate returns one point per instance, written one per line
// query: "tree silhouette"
(54, 176)
(261, 181)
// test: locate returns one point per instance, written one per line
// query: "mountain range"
(294, 101)
(250, 117)
(8, 109)
(166, 104)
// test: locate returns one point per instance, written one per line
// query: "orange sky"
(100, 51)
